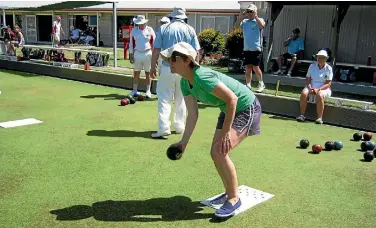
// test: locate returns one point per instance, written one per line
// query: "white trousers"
(168, 91)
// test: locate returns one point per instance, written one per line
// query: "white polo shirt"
(57, 25)
(142, 39)
(319, 77)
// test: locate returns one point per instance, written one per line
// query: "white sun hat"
(165, 20)
(178, 13)
(140, 19)
(322, 53)
(183, 48)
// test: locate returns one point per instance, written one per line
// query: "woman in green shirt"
(240, 116)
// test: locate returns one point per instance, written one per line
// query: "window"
(92, 21)
(207, 22)
(220, 23)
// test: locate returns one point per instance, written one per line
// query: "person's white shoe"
(179, 131)
(319, 121)
(300, 118)
(160, 134)
(148, 94)
(249, 87)
(260, 87)
(278, 72)
(289, 74)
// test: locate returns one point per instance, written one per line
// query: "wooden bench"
(339, 101)
(356, 66)
(67, 49)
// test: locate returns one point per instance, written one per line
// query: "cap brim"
(180, 16)
(166, 55)
(140, 22)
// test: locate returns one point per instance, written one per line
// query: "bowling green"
(92, 163)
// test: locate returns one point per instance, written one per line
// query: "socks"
(248, 84)
(147, 88)
(135, 87)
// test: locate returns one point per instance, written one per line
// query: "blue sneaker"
(219, 201)
(227, 209)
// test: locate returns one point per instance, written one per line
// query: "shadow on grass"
(311, 152)
(283, 118)
(177, 208)
(121, 133)
(114, 96)
(21, 73)
(301, 148)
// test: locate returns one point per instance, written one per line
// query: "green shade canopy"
(48, 6)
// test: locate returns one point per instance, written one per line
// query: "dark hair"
(184, 57)
(296, 31)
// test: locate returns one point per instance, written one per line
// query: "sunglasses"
(250, 11)
(176, 55)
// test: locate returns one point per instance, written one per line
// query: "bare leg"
(279, 62)
(248, 75)
(293, 61)
(320, 104)
(258, 72)
(136, 78)
(303, 101)
(225, 167)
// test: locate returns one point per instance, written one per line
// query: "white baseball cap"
(322, 53)
(183, 48)
(252, 7)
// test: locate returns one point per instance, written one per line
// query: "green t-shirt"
(206, 79)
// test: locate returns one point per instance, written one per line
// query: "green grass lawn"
(92, 163)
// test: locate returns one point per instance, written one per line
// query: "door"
(45, 28)
(31, 28)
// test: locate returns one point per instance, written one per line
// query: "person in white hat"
(168, 85)
(56, 28)
(162, 21)
(140, 52)
(239, 117)
(252, 27)
(318, 83)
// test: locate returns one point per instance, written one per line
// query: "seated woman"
(318, 82)
(239, 117)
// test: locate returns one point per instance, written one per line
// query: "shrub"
(211, 41)
(234, 43)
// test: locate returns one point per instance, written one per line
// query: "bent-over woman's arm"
(192, 107)
(224, 93)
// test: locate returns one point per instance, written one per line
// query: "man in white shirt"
(140, 52)
(56, 27)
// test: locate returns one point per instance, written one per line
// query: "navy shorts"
(252, 58)
(248, 119)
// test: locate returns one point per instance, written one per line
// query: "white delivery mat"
(18, 123)
(249, 196)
